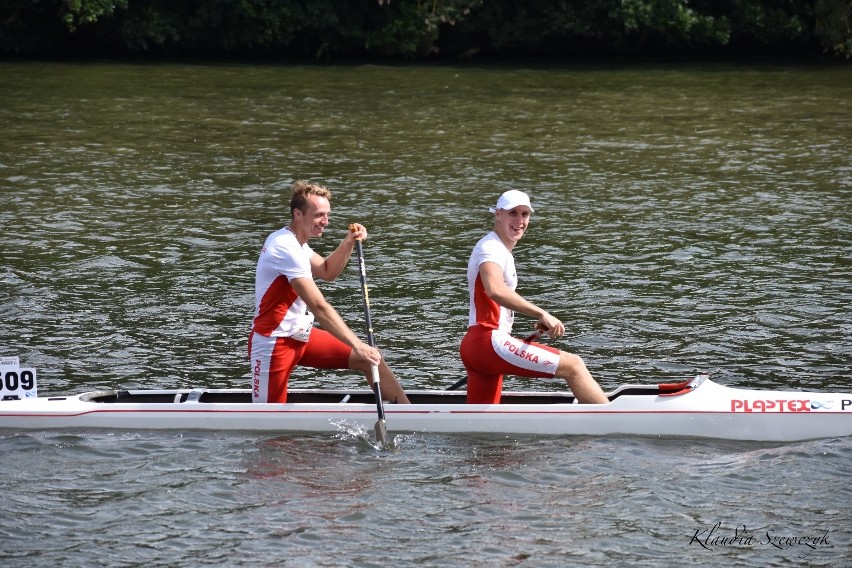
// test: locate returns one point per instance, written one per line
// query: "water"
(687, 218)
(190, 499)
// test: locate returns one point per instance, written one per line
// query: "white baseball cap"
(512, 199)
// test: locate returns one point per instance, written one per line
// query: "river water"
(688, 218)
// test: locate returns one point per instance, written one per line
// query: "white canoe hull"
(698, 408)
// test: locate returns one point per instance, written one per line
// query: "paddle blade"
(381, 433)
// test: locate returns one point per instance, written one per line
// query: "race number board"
(16, 382)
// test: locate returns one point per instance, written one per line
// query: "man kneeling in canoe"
(488, 349)
(287, 300)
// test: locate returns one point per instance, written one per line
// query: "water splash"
(347, 430)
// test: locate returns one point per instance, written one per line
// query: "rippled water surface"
(687, 219)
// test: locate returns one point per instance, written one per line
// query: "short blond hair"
(301, 190)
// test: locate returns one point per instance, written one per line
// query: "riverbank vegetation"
(425, 29)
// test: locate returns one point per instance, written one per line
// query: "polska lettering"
(784, 405)
(714, 538)
(256, 378)
(521, 352)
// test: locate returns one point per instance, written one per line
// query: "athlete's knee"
(571, 363)
(573, 359)
(363, 364)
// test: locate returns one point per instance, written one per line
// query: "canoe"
(697, 407)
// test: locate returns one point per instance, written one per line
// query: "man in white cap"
(488, 349)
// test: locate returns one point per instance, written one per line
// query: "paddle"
(380, 427)
(531, 337)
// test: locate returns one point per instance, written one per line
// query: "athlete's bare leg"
(585, 388)
(391, 389)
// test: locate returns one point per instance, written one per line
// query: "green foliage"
(424, 28)
(673, 22)
(151, 24)
(411, 27)
(525, 27)
(558, 27)
(76, 13)
(834, 26)
(771, 22)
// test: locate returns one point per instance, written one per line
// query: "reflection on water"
(183, 499)
(686, 219)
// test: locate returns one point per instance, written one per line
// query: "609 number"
(24, 380)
